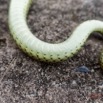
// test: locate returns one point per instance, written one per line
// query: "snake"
(39, 49)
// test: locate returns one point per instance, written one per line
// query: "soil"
(26, 80)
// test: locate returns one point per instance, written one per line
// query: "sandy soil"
(26, 80)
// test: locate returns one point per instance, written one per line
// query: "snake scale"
(42, 50)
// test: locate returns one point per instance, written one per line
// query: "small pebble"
(100, 86)
(83, 69)
(74, 83)
(95, 95)
(92, 71)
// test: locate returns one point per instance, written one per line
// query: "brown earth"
(25, 80)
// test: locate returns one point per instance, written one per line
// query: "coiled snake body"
(43, 50)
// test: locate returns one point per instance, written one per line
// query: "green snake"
(42, 50)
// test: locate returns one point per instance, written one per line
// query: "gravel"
(26, 80)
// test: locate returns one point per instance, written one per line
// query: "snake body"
(42, 50)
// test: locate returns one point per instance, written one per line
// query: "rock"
(83, 69)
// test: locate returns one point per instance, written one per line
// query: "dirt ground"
(26, 80)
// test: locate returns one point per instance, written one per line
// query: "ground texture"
(26, 80)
